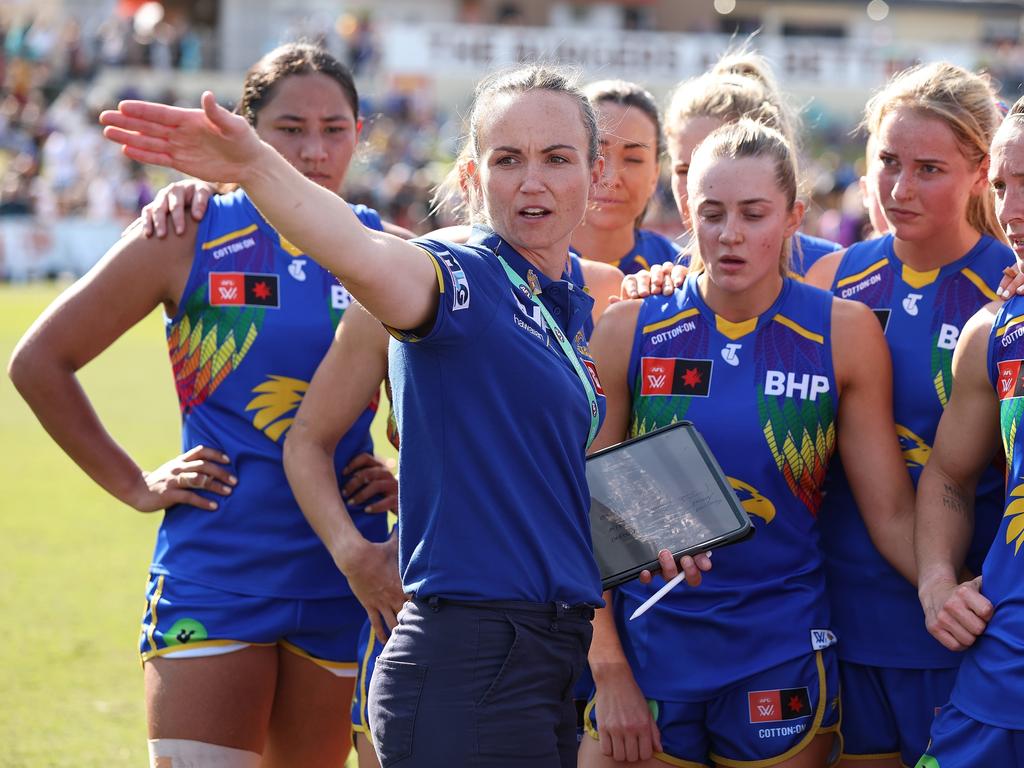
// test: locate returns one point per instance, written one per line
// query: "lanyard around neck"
(570, 353)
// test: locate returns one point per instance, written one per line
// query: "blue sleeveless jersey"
(648, 248)
(807, 249)
(254, 321)
(990, 684)
(765, 599)
(875, 611)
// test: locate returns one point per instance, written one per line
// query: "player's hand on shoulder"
(1012, 283)
(661, 280)
(171, 203)
(178, 480)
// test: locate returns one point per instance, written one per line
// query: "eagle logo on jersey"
(275, 404)
(916, 451)
(1015, 511)
(207, 344)
(752, 501)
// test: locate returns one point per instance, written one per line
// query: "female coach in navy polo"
(496, 399)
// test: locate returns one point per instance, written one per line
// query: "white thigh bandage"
(185, 753)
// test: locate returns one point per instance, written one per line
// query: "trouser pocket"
(394, 701)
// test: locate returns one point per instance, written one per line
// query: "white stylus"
(669, 586)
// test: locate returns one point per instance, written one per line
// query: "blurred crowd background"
(65, 193)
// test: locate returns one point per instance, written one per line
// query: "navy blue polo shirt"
(493, 421)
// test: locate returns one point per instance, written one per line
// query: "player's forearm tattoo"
(954, 499)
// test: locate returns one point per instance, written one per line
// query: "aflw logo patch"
(244, 289)
(1009, 384)
(675, 376)
(779, 705)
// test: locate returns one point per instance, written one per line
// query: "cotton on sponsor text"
(784, 730)
(235, 247)
(1013, 335)
(857, 287)
(671, 333)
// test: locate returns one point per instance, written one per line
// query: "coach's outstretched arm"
(216, 145)
(966, 441)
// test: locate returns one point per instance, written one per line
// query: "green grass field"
(73, 560)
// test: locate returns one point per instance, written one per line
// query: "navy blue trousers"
(479, 684)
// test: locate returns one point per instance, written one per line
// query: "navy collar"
(488, 238)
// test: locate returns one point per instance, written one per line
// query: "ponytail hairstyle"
(748, 138)
(964, 101)
(533, 77)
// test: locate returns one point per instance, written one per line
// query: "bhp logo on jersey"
(806, 386)
(777, 706)
(1009, 384)
(242, 289)
(675, 376)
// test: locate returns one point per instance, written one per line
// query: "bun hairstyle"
(964, 101)
(285, 61)
(740, 84)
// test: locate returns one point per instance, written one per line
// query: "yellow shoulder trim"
(288, 248)
(671, 321)
(975, 278)
(733, 330)
(1009, 324)
(793, 326)
(916, 279)
(642, 262)
(402, 335)
(862, 274)
(229, 236)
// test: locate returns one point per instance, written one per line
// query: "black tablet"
(663, 490)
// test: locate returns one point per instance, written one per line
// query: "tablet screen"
(663, 490)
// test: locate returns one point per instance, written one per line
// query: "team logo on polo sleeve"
(592, 369)
(779, 705)
(244, 289)
(460, 283)
(675, 376)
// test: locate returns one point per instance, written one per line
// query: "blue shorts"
(369, 649)
(762, 720)
(888, 712)
(959, 741)
(184, 620)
